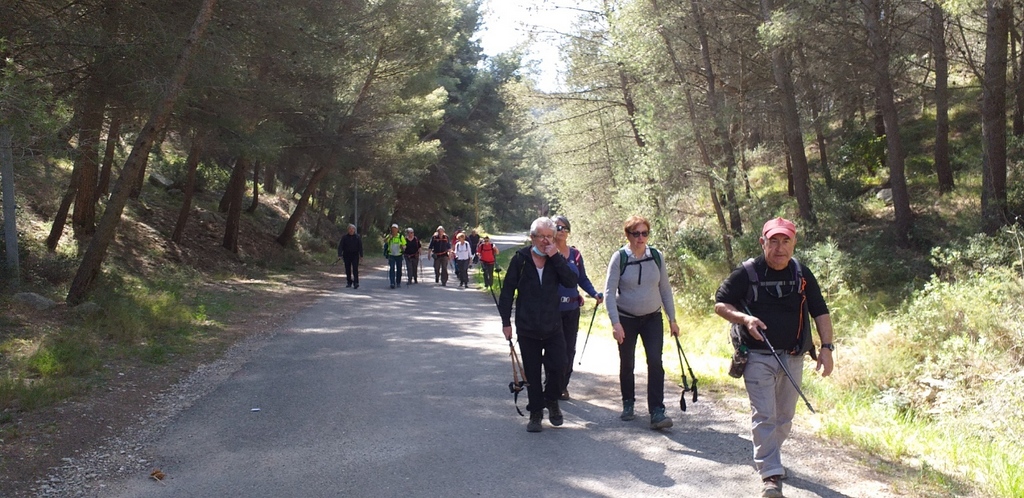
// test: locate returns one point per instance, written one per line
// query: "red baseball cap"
(778, 225)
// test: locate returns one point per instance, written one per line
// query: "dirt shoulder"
(35, 442)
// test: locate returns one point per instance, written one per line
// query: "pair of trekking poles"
(517, 385)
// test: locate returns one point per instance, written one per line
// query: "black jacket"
(537, 313)
(350, 245)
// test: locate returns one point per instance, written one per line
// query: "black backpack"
(738, 333)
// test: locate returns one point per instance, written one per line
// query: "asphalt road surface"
(394, 393)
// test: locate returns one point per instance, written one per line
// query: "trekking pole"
(335, 263)
(686, 387)
(518, 377)
(784, 369)
(591, 327)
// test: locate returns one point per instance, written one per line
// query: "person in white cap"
(773, 297)
(394, 247)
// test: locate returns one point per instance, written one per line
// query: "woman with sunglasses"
(570, 296)
(637, 289)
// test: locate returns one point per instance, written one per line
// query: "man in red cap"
(773, 297)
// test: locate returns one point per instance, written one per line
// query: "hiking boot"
(627, 410)
(772, 487)
(535, 419)
(659, 420)
(392, 286)
(554, 413)
(565, 394)
(355, 285)
(348, 284)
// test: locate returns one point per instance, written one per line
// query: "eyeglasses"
(539, 236)
(561, 228)
(638, 234)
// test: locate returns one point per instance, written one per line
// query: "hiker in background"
(474, 242)
(570, 296)
(536, 272)
(462, 255)
(350, 250)
(439, 248)
(637, 289)
(412, 256)
(488, 253)
(772, 296)
(394, 246)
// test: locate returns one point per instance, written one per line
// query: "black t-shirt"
(779, 307)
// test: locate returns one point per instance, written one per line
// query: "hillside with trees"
(890, 130)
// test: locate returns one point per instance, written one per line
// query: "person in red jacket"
(487, 252)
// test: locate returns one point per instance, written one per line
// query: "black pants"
(550, 353)
(650, 330)
(412, 264)
(351, 267)
(488, 273)
(570, 329)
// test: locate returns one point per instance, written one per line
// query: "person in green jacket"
(394, 248)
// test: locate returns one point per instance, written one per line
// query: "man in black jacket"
(350, 249)
(536, 272)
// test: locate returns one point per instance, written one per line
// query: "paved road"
(394, 393)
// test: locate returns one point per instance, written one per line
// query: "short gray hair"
(542, 222)
(351, 225)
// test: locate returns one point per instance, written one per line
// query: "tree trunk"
(790, 184)
(680, 71)
(140, 176)
(721, 131)
(255, 188)
(83, 218)
(993, 116)
(270, 177)
(191, 165)
(60, 218)
(942, 168)
(235, 182)
(300, 208)
(235, 194)
(1018, 83)
(113, 137)
(96, 252)
(627, 98)
(13, 271)
(792, 132)
(885, 95)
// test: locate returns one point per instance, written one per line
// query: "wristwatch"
(828, 345)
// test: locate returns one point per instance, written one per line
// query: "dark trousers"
(441, 269)
(651, 331)
(395, 270)
(412, 264)
(550, 353)
(570, 329)
(488, 273)
(351, 268)
(462, 271)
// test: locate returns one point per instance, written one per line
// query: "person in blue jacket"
(570, 298)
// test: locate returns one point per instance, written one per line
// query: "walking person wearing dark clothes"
(474, 240)
(412, 256)
(350, 250)
(439, 247)
(787, 296)
(536, 272)
(570, 296)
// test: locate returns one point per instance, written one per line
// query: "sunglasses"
(561, 228)
(638, 233)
